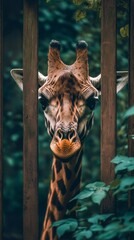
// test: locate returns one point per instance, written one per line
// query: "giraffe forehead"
(67, 83)
(67, 98)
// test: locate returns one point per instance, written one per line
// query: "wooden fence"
(108, 107)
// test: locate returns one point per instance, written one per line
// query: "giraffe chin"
(65, 149)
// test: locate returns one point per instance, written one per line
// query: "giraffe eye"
(44, 101)
(53, 103)
(91, 102)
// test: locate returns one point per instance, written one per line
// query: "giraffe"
(68, 97)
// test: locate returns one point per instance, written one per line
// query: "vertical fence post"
(131, 77)
(131, 86)
(1, 119)
(108, 93)
(30, 108)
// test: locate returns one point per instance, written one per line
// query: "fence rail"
(30, 107)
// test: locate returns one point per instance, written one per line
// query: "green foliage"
(88, 4)
(109, 225)
(77, 2)
(123, 163)
(65, 226)
(56, 21)
(84, 6)
(124, 31)
(83, 234)
(97, 192)
(129, 112)
(79, 15)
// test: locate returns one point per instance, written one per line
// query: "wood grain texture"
(108, 93)
(1, 119)
(30, 107)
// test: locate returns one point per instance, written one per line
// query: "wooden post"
(131, 78)
(108, 96)
(30, 107)
(1, 119)
(131, 88)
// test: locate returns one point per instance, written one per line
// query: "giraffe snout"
(65, 143)
(69, 135)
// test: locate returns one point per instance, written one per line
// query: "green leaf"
(62, 229)
(129, 216)
(83, 195)
(128, 228)
(69, 225)
(121, 167)
(107, 235)
(93, 4)
(126, 184)
(129, 112)
(79, 15)
(132, 136)
(96, 228)
(10, 161)
(123, 163)
(129, 165)
(60, 222)
(77, 2)
(124, 31)
(84, 234)
(98, 196)
(82, 209)
(113, 226)
(119, 158)
(94, 186)
(15, 137)
(94, 219)
(99, 217)
(104, 217)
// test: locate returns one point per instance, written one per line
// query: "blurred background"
(66, 21)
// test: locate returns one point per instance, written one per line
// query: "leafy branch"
(102, 226)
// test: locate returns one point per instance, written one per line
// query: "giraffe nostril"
(59, 134)
(71, 134)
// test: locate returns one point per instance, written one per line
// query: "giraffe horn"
(80, 67)
(54, 61)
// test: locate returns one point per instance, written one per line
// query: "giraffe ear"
(121, 81)
(17, 75)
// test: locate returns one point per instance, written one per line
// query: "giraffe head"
(68, 98)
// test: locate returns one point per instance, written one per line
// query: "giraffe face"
(68, 99)
(68, 115)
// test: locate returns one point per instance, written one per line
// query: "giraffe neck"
(64, 185)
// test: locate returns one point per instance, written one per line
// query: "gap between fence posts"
(1, 119)
(30, 113)
(108, 96)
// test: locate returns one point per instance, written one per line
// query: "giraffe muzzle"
(65, 143)
(69, 135)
